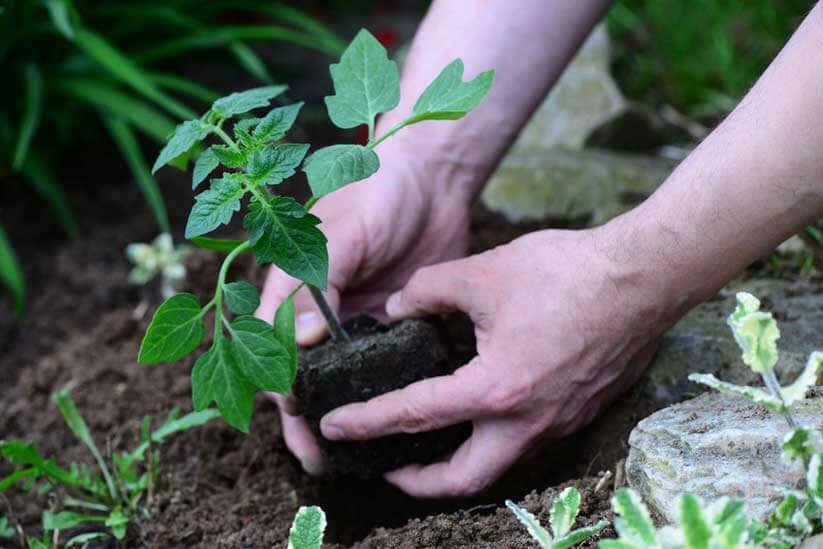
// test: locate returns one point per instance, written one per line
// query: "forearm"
(527, 42)
(755, 181)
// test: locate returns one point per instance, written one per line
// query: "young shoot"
(307, 529)
(251, 156)
(107, 497)
(161, 257)
(563, 515)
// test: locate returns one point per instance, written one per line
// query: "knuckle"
(508, 398)
(413, 419)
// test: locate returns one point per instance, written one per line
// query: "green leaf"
(800, 444)
(366, 83)
(284, 332)
(11, 275)
(277, 122)
(68, 519)
(118, 522)
(6, 531)
(62, 16)
(31, 114)
(249, 60)
(695, 528)
(241, 297)
(81, 430)
(264, 361)
(786, 509)
(130, 149)
(206, 163)
(231, 158)
(448, 97)
(634, 524)
(40, 178)
(283, 233)
(175, 331)
(308, 528)
(224, 245)
(215, 206)
(185, 136)
(755, 332)
(564, 511)
(271, 165)
(22, 454)
(175, 425)
(331, 168)
(536, 531)
(753, 394)
(217, 377)
(576, 537)
(240, 102)
(814, 479)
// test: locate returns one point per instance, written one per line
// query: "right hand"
(380, 232)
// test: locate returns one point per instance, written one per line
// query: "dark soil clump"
(379, 359)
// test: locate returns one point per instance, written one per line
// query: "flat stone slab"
(716, 445)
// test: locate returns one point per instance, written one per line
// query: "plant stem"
(774, 388)
(224, 136)
(338, 333)
(221, 278)
(373, 143)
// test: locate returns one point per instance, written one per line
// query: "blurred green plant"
(69, 63)
(700, 56)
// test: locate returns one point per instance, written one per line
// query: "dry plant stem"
(338, 333)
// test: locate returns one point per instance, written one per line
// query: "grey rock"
(702, 342)
(536, 184)
(814, 542)
(712, 446)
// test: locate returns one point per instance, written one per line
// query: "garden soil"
(220, 488)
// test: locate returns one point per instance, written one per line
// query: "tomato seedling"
(248, 354)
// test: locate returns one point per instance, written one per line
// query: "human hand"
(380, 231)
(562, 328)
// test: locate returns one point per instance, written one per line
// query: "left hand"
(562, 328)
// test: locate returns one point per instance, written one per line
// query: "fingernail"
(312, 467)
(330, 430)
(392, 303)
(308, 324)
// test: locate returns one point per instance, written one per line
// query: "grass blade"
(39, 177)
(78, 426)
(11, 275)
(122, 68)
(31, 115)
(184, 86)
(249, 60)
(127, 143)
(121, 105)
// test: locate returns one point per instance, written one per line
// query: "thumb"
(310, 325)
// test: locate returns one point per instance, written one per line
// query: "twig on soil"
(20, 534)
(619, 474)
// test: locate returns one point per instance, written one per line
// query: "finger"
(434, 289)
(422, 406)
(490, 451)
(310, 325)
(299, 438)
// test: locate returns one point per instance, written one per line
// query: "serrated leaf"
(231, 158)
(241, 297)
(536, 531)
(564, 511)
(448, 97)
(366, 83)
(284, 332)
(240, 102)
(308, 528)
(206, 163)
(185, 136)
(695, 527)
(215, 206)
(753, 394)
(333, 167)
(786, 509)
(217, 377)
(576, 537)
(260, 356)
(814, 479)
(755, 332)
(118, 522)
(800, 444)
(176, 330)
(175, 425)
(283, 233)
(271, 165)
(277, 122)
(634, 524)
(807, 378)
